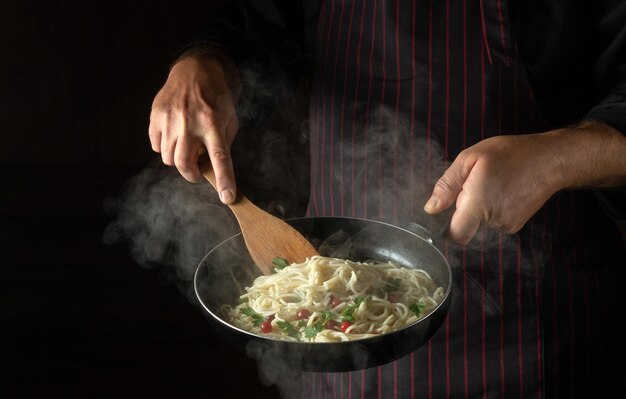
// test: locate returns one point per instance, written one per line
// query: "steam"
(171, 224)
(167, 221)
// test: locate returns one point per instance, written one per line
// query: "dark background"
(78, 317)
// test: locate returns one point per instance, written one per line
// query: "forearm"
(591, 155)
(502, 181)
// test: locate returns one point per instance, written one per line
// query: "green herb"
(327, 315)
(312, 331)
(280, 263)
(417, 308)
(243, 299)
(348, 312)
(257, 319)
(392, 285)
(287, 328)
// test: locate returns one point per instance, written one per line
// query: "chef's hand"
(501, 182)
(195, 110)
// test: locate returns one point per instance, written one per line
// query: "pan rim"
(443, 303)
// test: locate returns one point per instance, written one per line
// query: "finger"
(173, 129)
(157, 123)
(167, 150)
(186, 158)
(219, 153)
(154, 132)
(466, 220)
(449, 186)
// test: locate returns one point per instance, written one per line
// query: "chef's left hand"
(502, 181)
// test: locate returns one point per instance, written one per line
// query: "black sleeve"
(261, 31)
(614, 203)
(574, 53)
(610, 66)
(270, 42)
(610, 71)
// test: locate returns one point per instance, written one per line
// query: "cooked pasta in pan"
(330, 300)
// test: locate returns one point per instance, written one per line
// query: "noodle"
(330, 300)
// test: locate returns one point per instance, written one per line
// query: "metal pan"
(223, 273)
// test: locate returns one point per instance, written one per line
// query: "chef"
(525, 104)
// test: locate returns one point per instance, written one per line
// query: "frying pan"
(227, 269)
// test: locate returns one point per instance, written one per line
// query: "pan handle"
(420, 231)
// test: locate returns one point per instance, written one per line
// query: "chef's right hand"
(195, 110)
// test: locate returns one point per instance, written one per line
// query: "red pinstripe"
(612, 336)
(500, 266)
(343, 97)
(362, 384)
(332, 118)
(483, 318)
(520, 348)
(482, 90)
(482, 251)
(538, 300)
(350, 386)
(464, 127)
(315, 128)
(321, 173)
(430, 86)
(395, 131)
(465, 309)
(367, 112)
(378, 372)
(412, 375)
(430, 369)
(501, 297)
(515, 99)
(555, 340)
(586, 309)
(356, 96)
(570, 294)
(382, 101)
(447, 254)
(519, 264)
(502, 34)
(484, 29)
(447, 112)
(412, 125)
(464, 73)
(395, 379)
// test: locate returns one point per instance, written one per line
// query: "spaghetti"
(329, 300)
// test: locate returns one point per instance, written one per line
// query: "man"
(529, 102)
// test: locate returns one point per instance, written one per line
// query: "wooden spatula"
(265, 235)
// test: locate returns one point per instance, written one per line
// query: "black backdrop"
(80, 318)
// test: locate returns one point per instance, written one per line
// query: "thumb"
(448, 187)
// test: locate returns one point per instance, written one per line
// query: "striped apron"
(401, 87)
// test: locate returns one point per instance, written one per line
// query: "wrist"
(212, 59)
(591, 154)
